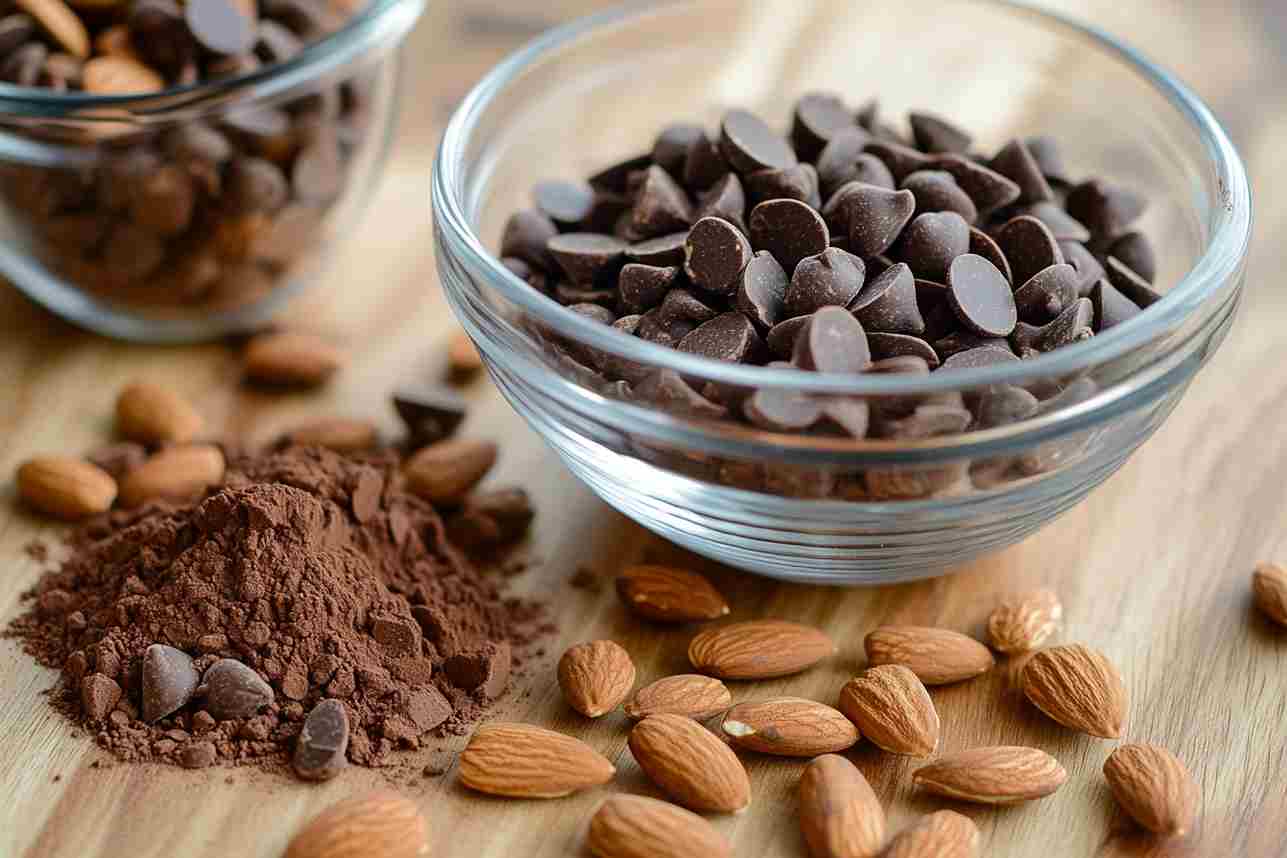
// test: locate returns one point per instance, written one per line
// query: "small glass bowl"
(119, 214)
(826, 509)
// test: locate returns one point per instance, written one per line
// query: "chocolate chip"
(322, 746)
(616, 177)
(931, 241)
(705, 165)
(683, 304)
(1106, 210)
(935, 134)
(1002, 405)
(168, 679)
(832, 341)
(24, 65)
(666, 389)
(485, 669)
(937, 191)
(984, 245)
(256, 185)
(131, 254)
(16, 29)
(164, 201)
(568, 204)
(587, 258)
(831, 278)
(1111, 307)
(842, 160)
(850, 415)
(1046, 294)
(670, 149)
(593, 311)
(222, 26)
(888, 304)
(988, 189)
(875, 217)
(782, 409)
(762, 290)
(661, 206)
(1029, 246)
(1071, 326)
(1130, 284)
(573, 296)
(928, 421)
(1017, 164)
(782, 336)
(790, 230)
(234, 690)
(981, 297)
(728, 337)
(749, 144)
(791, 183)
(964, 340)
(527, 235)
(1136, 253)
(818, 117)
(642, 287)
(726, 200)
(899, 159)
(662, 252)
(1061, 225)
(275, 43)
(430, 413)
(982, 356)
(1045, 151)
(884, 346)
(160, 37)
(666, 332)
(1088, 269)
(715, 253)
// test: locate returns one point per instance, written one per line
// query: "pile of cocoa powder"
(319, 572)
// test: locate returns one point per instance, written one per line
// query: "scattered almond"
(119, 75)
(70, 489)
(1269, 586)
(57, 19)
(596, 677)
(788, 727)
(665, 594)
(942, 834)
(463, 359)
(689, 694)
(995, 775)
(1078, 687)
(1153, 787)
(759, 649)
(381, 823)
(341, 434)
(445, 472)
(936, 656)
(291, 359)
(152, 414)
(632, 826)
(840, 816)
(1024, 622)
(891, 707)
(523, 761)
(175, 473)
(690, 764)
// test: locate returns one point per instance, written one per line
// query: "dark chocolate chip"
(661, 206)
(728, 337)
(1002, 405)
(570, 296)
(1088, 269)
(593, 311)
(749, 144)
(196, 142)
(274, 43)
(665, 332)
(937, 191)
(1106, 210)
(670, 150)
(322, 746)
(930, 242)
(642, 287)
(318, 173)
(935, 134)
(929, 420)
(664, 251)
(831, 278)
(587, 258)
(762, 290)
(899, 159)
(1045, 151)
(875, 217)
(832, 341)
(792, 183)
(818, 117)
(888, 304)
(1046, 294)
(1073, 325)
(162, 38)
(683, 304)
(484, 669)
(982, 356)
(168, 679)
(782, 336)
(715, 253)
(568, 204)
(984, 245)
(1136, 253)
(256, 185)
(884, 346)
(960, 341)
(839, 162)
(790, 230)
(726, 200)
(782, 409)
(1017, 164)
(222, 27)
(16, 29)
(233, 690)
(1130, 284)
(24, 65)
(430, 413)
(981, 297)
(705, 165)
(668, 391)
(1029, 246)
(1111, 306)
(1061, 224)
(615, 179)
(849, 414)
(987, 188)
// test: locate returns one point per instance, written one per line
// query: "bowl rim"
(1229, 230)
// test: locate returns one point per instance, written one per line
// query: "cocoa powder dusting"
(317, 571)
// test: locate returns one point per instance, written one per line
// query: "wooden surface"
(1153, 568)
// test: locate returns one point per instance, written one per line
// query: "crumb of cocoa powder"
(585, 578)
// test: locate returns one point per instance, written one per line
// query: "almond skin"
(596, 677)
(840, 816)
(1153, 787)
(936, 656)
(632, 826)
(689, 694)
(788, 727)
(942, 834)
(1269, 586)
(151, 414)
(1078, 687)
(665, 594)
(381, 823)
(341, 434)
(175, 473)
(995, 775)
(443, 473)
(291, 359)
(523, 761)
(65, 488)
(1024, 622)
(690, 764)
(759, 649)
(891, 707)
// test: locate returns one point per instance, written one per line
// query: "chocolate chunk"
(1111, 307)
(616, 178)
(588, 259)
(888, 304)
(1045, 151)
(875, 217)
(782, 336)
(398, 635)
(1016, 162)
(661, 206)
(843, 160)
(725, 199)
(937, 191)
(899, 159)
(666, 389)
(831, 278)
(748, 144)
(782, 409)
(670, 149)
(1029, 246)
(988, 189)
(790, 183)
(832, 341)
(1061, 225)
(234, 690)
(1046, 294)
(98, 696)
(790, 230)
(705, 165)
(761, 294)
(222, 26)
(982, 356)
(984, 245)
(430, 413)
(728, 337)
(1106, 210)
(1136, 253)
(485, 669)
(884, 346)
(1088, 269)
(1130, 284)
(930, 242)
(426, 708)
(322, 745)
(981, 297)
(642, 287)
(509, 509)
(715, 254)
(1071, 326)
(935, 134)
(198, 755)
(168, 679)
(661, 252)
(818, 117)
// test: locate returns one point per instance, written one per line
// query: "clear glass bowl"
(115, 216)
(825, 509)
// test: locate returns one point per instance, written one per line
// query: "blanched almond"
(1153, 787)
(995, 775)
(153, 414)
(1078, 687)
(66, 488)
(446, 471)
(666, 594)
(759, 649)
(632, 826)
(596, 676)
(689, 694)
(523, 761)
(690, 764)
(174, 474)
(788, 727)
(891, 707)
(942, 834)
(840, 816)
(1024, 622)
(936, 656)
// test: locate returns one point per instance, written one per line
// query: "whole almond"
(840, 816)
(119, 75)
(759, 649)
(788, 727)
(291, 359)
(66, 488)
(523, 761)
(57, 19)
(596, 677)
(1078, 687)
(1269, 586)
(689, 694)
(665, 594)
(152, 414)
(1153, 787)
(341, 434)
(942, 834)
(891, 707)
(690, 764)
(1024, 622)
(463, 359)
(175, 474)
(381, 823)
(995, 775)
(936, 656)
(632, 826)
(446, 471)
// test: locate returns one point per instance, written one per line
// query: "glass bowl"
(149, 218)
(815, 508)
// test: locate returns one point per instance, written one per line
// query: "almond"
(1078, 687)
(523, 761)
(665, 594)
(1269, 586)
(936, 656)
(446, 471)
(632, 826)
(341, 434)
(996, 775)
(1024, 622)
(759, 649)
(789, 727)
(840, 816)
(942, 834)
(291, 359)
(689, 694)
(690, 764)
(66, 488)
(378, 824)
(57, 19)
(1153, 787)
(891, 707)
(119, 75)
(596, 677)
(175, 473)
(154, 415)
(463, 359)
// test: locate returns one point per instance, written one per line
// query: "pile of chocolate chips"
(848, 248)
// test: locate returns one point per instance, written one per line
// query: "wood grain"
(1153, 569)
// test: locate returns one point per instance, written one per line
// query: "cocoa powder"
(317, 571)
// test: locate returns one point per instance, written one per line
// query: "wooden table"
(1153, 568)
